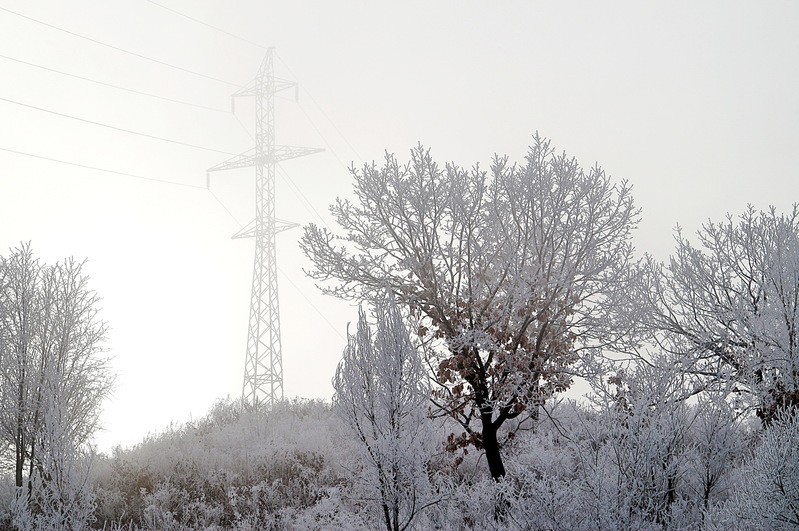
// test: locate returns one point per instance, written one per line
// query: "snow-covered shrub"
(330, 513)
(381, 396)
(466, 504)
(718, 445)
(767, 493)
(231, 469)
(632, 453)
(58, 494)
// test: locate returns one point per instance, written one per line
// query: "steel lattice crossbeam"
(263, 367)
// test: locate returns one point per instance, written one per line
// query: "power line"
(103, 83)
(244, 127)
(324, 139)
(244, 39)
(234, 218)
(322, 315)
(285, 276)
(86, 166)
(117, 48)
(146, 135)
(303, 199)
(321, 109)
(174, 183)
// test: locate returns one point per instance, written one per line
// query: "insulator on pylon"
(296, 93)
(208, 180)
(233, 105)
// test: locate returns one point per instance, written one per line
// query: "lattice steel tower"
(263, 366)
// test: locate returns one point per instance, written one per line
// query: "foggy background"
(695, 103)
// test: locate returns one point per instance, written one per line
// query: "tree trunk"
(495, 466)
(20, 437)
(491, 447)
(19, 464)
(31, 470)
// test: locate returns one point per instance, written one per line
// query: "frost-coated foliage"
(234, 469)
(515, 272)
(382, 396)
(53, 378)
(648, 465)
(61, 495)
(648, 458)
(514, 279)
(767, 496)
(730, 305)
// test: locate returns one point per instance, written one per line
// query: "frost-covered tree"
(54, 377)
(767, 496)
(633, 452)
(61, 494)
(381, 394)
(514, 272)
(717, 449)
(730, 308)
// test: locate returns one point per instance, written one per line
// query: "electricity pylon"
(263, 366)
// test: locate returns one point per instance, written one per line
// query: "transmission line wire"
(244, 127)
(234, 218)
(320, 109)
(229, 34)
(285, 276)
(322, 315)
(244, 39)
(301, 196)
(324, 139)
(117, 48)
(146, 135)
(96, 168)
(111, 85)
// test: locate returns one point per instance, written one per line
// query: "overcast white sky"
(695, 103)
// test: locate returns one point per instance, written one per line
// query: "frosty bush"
(767, 496)
(729, 308)
(231, 469)
(381, 396)
(53, 378)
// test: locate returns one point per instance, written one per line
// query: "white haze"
(694, 103)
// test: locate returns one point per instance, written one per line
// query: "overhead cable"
(100, 124)
(234, 218)
(184, 15)
(318, 311)
(301, 196)
(320, 109)
(111, 85)
(87, 166)
(117, 48)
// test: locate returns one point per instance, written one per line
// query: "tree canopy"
(514, 272)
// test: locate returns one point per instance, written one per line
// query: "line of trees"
(54, 377)
(520, 278)
(483, 294)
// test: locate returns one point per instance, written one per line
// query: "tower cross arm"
(252, 158)
(249, 231)
(251, 88)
